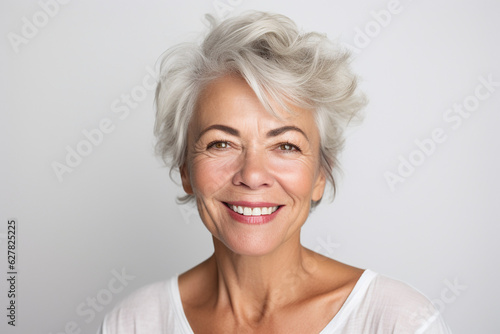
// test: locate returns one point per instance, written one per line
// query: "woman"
(253, 119)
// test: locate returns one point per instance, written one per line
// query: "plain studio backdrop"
(96, 212)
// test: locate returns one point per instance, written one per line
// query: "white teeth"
(256, 212)
(246, 211)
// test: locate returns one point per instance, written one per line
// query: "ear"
(186, 181)
(319, 186)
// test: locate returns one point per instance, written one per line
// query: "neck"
(254, 286)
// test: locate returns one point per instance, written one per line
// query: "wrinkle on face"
(252, 166)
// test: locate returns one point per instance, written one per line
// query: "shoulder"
(144, 310)
(396, 305)
(389, 291)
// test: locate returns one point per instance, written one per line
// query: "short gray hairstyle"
(280, 63)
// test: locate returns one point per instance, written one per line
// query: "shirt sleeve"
(433, 325)
(391, 306)
(150, 309)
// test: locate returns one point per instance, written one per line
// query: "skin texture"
(260, 279)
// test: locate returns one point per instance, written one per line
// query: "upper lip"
(252, 204)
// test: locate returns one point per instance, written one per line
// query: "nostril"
(253, 174)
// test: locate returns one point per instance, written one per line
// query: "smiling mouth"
(257, 211)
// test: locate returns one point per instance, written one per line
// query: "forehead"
(231, 99)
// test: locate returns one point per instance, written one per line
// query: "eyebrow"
(220, 127)
(283, 129)
(236, 133)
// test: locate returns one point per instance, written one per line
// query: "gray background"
(116, 210)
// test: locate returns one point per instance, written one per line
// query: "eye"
(287, 147)
(220, 145)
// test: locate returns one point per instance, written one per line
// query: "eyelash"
(215, 142)
(294, 147)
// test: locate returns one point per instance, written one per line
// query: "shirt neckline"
(354, 298)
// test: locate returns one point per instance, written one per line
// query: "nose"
(254, 171)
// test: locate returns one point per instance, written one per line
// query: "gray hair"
(280, 63)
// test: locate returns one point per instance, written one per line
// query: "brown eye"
(218, 145)
(287, 147)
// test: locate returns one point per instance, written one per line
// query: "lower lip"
(252, 220)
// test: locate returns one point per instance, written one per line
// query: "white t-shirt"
(377, 304)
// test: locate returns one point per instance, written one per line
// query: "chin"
(251, 246)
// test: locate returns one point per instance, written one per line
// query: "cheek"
(295, 176)
(209, 175)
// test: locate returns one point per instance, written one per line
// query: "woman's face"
(253, 175)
